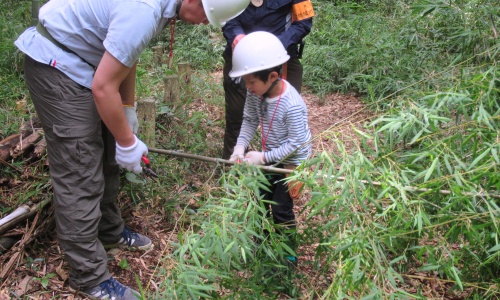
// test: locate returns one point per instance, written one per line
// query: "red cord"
(264, 138)
(172, 32)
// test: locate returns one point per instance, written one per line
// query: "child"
(280, 111)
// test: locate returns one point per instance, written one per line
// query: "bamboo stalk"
(21, 216)
(215, 160)
(339, 178)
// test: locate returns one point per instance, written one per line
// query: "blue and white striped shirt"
(288, 139)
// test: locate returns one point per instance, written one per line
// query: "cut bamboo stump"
(146, 113)
(158, 55)
(171, 92)
(184, 70)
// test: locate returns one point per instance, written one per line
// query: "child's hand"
(238, 154)
(255, 158)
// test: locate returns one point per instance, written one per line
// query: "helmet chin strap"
(270, 88)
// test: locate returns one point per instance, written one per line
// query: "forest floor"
(38, 271)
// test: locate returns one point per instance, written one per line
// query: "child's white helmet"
(220, 11)
(259, 50)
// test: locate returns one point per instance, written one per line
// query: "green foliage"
(424, 196)
(199, 45)
(17, 14)
(418, 196)
(124, 264)
(230, 250)
(383, 47)
(44, 281)
(421, 192)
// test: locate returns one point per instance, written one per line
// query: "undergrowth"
(415, 204)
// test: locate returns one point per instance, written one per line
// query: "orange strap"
(295, 187)
(303, 10)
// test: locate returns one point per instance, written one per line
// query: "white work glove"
(238, 154)
(132, 120)
(130, 157)
(255, 158)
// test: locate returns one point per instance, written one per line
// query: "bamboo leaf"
(447, 163)
(494, 153)
(494, 248)
(397, 259)
(429, 268)
(228, 247)
(356, 272)
(479, 158)
(243, 254)
(431, 169)
(456, 277)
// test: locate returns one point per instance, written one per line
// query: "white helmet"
(220, 11)
(259, 50)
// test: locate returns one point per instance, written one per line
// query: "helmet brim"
(236, 74)
(214, 21)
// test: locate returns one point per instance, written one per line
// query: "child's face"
(255, 85)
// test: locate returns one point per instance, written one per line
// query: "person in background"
(275, 105)
(80, 67)
(290, 21)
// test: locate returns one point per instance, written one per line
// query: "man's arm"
(112, 87)
(232, 29)
(302, 20)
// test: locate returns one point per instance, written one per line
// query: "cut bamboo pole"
(27, 143)
(40, 148)
(11, 222)
(215, 160)
(7, 144)
(21, 210)
(339, 178)
(16, 257)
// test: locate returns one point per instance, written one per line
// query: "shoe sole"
(81, 293)
(142, 248)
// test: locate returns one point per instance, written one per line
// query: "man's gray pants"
(84, 173)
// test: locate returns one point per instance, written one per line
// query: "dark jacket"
(273, 16)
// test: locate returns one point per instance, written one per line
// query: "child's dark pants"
(281, 208)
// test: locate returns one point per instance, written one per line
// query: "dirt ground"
(330, 118)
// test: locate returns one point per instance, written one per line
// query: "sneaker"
(132, 241)
(283, 268)
(111, 289)
(291, 262)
